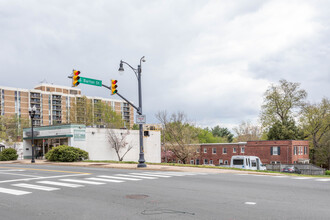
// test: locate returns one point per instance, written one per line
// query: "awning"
(48, 137)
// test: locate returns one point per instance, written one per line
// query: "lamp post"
(32, 112)
(139, 110)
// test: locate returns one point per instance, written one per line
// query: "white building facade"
(92, 140)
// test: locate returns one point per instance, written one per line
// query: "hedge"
(64, 153)
(8, 154)
(327, 172)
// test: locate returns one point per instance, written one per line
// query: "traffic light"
(113, 86)
(75, 78)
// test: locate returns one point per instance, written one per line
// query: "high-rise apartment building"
(54, 104)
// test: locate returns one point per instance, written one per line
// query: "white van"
(247, 162)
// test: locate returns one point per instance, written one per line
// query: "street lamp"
(32, 112)
(139, 110)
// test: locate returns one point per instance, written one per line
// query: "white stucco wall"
(99, 149)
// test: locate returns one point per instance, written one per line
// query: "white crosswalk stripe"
(105, 180)
(38, 187)
(154, 175)
(119, 178)
(142, 177)
(13, 191)
(82, 181)
(60, 184)
(302, 178)
(166, 173)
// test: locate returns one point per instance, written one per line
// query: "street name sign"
(140, 119)
(88, 81)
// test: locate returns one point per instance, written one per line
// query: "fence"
(307, 169)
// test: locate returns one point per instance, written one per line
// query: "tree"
(322, 154)
(281, 102)
(217, 131)
(206, 136)
(179, 134)
(315, 120)
(11, 128)
(105, 115)
(118, 142)
(286, 130)
(247, 132)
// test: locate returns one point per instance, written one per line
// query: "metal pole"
(141, 158)
(32, 161)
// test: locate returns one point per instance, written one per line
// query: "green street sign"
(93, 82)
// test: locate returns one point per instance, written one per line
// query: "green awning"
(48, 137)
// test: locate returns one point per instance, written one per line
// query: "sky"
(212, 60)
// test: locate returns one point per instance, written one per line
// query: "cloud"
(210, 59)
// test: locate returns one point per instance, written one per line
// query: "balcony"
(35, 95)
(57, 97)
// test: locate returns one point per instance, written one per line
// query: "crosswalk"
(19, 189)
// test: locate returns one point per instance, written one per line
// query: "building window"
(214, 150)
(220, 161)
(275, 151)
(295, 150)
(191, 161)
(234, 150)
(197, 150)
(243, 150)
(205, 161)
(205, 150)
(305, 150)
(224, 150)
(226, 162)
(211, 161)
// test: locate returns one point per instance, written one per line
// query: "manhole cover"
(137, 196)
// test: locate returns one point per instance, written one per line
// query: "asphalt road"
(58, 192)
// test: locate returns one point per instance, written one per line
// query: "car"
(291, 169)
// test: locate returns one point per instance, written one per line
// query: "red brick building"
(284, 152)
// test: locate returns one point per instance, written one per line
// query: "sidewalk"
(134, 166)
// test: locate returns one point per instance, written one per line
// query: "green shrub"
(65, 153)
(327, 172)
(8, 154)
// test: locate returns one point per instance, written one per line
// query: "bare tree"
(179, 134)
(247, 131)
(118, 142)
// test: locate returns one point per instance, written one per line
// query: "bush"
(65, 153)
(8, 154)
(327, 172)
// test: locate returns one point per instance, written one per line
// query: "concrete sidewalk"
(134, 166)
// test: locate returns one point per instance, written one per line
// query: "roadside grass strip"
(82, 181)
(105, 180)
(60, 184)
(134, 176)
(119, 178)
(37, 187)
(14, 192)
(152, 175)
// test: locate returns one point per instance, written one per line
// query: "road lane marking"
(40, 178)
(60, 184)
(167, 173)
(10, 170)
(119, 178)
(280, 176)
(82, 181)
(105, 180)
(323, 180)
(18, 174)
(13, 191)
(302, 178)
(250, 203)
(31, 186)
(154, 175)
(59, 171)
(142, 177)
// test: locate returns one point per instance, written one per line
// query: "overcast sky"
(212, 60)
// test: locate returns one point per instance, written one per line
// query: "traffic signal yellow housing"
(75, 78)
(113, 86)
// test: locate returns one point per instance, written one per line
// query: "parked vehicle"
(247, 162)
(291, 169)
